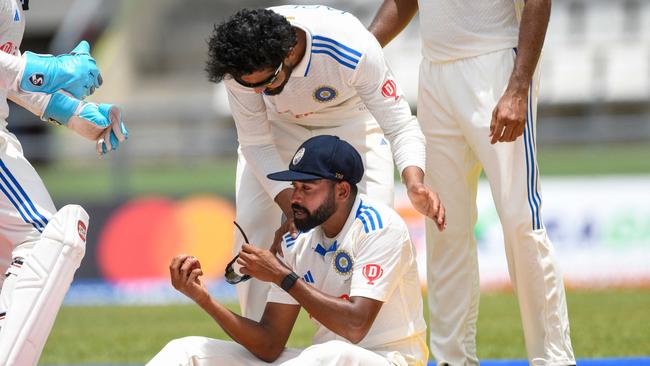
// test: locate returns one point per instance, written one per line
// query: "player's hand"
(115, 133)
(75, 72)
(185, 271)
(261, 264)
(509, 117)
(286, 227)
(101, 123)
(427, 203)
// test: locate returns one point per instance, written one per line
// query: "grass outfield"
(603, 324)
(106, 179)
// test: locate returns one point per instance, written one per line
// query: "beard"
(319, 216)
(277, 90)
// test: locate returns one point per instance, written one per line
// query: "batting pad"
(41, 285)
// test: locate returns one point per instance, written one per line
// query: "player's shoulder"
(333, 32)
(376, 217)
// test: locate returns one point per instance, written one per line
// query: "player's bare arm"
(265, 339)
(422, 197)
(349, 318)
(509, 116)
(391, 18)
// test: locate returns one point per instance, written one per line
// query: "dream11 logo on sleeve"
(372, 272)
(389, 89)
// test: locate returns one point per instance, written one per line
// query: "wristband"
(289, 281)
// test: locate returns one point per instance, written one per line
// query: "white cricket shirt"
(12, 27)
(456, 29)
(342, 78)
(371, 257)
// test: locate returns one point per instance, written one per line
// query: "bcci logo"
(324, 94)
(37, 79)
(299, 154)
(81, 228)
(342, 262)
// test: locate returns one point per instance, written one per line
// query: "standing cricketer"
(40, 247)
(477, 104)
(293, 72)
(352, 268)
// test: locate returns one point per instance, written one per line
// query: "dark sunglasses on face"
(264, 83)
(231, 276)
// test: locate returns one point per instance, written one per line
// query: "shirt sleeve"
(382, 259)
(255, 136)
(12, 68)
(377, 87)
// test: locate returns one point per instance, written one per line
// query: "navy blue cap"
(323, 157)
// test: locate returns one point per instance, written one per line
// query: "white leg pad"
(41, 285)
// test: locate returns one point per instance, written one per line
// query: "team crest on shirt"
(299, 154)
(389, 90)
(342, 262)
(324, 94)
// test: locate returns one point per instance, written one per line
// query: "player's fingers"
(493, 122)
(177, 261)
(106, 136)
(498, 131)
(520, 130)
(507, 134)
(442, 218)
(194, 275)
(117, 126)
(187, 266)
(99, 146)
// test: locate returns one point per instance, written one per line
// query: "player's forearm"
(33, 102)
(391, 18)
(337, 314)
(532, 31)
(250, 334)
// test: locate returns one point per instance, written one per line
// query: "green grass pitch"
(603, 323)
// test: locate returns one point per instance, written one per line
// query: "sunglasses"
(231, 276)
(264, 83)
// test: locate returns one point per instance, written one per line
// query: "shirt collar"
(302, 68)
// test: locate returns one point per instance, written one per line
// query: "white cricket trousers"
(202, 351)
(260, 216)
(25, 209)
(455, 105)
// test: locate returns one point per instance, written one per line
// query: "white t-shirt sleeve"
(255, 136)
(381, 93)
(12, 68)
(381, 260)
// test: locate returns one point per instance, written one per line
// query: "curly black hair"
(249, 41)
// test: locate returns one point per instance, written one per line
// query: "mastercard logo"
(142, 236)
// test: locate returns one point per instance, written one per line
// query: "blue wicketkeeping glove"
(101, 123)
(117, 131)
(75, 72)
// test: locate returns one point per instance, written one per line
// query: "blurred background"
(170, 188)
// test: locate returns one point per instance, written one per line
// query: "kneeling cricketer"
(352, 268)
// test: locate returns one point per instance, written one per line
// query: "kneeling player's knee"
(331, 351)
